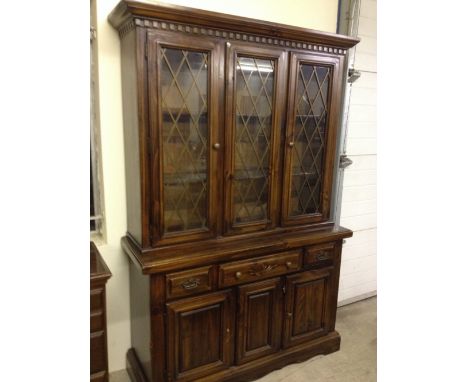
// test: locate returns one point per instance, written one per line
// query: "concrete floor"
(355, 362)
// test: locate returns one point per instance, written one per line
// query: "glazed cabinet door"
(259, 319)
(311, 131)
(200, 333)
(183, 76)
(308, 306)
(255, 81)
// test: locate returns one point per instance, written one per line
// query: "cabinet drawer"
(240, 272)
(97, 299)
(97, 321)
(98, 352)
(318, 255)
(189, 282)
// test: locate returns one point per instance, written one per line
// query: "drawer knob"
(291, 144)
(288, 264)
(289, 314)
(216, 146)
(191, 284)
(238, 275)
(322, 256)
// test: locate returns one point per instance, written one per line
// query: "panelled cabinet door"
(311, 128)
(307, 306)
(254, 103)
(200, 333)
(183, 75)
(259, 319)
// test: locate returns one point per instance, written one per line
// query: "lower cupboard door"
(200, 335)
(308, 303)
(259, 320)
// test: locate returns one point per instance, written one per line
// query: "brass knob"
(291, 144)
(288, 264)
(289, 314)
(228, 44)
(238, 275)
(216, 146)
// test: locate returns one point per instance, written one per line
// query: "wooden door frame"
(156, 39)
(233, 49)
(334, 99)
(289, 304)
(174, 309)
(274, 286)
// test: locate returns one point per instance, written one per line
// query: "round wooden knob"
(289, 314)
(291, 144)
(216, 146)
(288, 264)
(238, 275)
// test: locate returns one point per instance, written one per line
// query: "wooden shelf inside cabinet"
(230, 131)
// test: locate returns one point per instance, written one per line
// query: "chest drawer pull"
(322, 256)
(238, 275)
(191, 283)
(288, 264)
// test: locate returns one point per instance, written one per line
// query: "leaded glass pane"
(184, 106)
(309, 135)
(254, 109)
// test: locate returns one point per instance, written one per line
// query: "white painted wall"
(359, 203)
(316, 14)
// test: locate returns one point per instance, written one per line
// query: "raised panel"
(199, 335)
(308, 306)
(254, 102)
(259, 320)
(199, 331)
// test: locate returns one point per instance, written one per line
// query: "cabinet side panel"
(141, 318)
(131, 134)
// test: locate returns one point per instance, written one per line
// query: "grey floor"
(355, 362)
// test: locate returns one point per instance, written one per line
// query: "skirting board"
(351, 300)
(119, 376)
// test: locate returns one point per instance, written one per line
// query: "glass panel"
(184, 104)
(254, 104)
(309, 139)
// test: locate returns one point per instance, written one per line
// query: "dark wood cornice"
(128, 9)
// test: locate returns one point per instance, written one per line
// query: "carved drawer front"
(319, 255)
(244, 271)
(189, 282)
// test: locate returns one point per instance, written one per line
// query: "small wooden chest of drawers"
(99, 274)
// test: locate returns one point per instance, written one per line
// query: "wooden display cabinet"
(231, 126)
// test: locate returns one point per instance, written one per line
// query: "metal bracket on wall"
(353, 75)
(345, 161)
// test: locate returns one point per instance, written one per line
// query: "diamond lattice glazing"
(254, 108)
(309, 139)
(184, 106)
